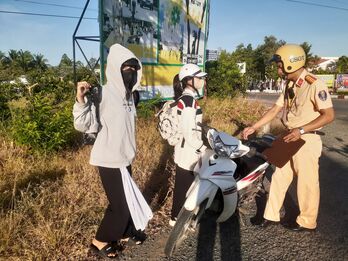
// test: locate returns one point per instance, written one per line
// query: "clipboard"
(281, 152)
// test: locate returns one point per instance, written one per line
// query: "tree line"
(225, 77)
(38, 113)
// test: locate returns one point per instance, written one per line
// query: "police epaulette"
(310, 79)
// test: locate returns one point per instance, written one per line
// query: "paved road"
(341, 106)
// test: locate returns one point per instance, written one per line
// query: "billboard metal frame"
(76, 39)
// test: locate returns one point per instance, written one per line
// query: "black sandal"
(137, 239)
(105, 251)
(118, 245)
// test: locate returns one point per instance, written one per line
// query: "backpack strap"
(177, 100)
(186, 101)
(173, 104)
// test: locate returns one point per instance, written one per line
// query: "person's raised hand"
(82, 89)
(248, 131)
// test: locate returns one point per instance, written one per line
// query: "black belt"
(316, 132)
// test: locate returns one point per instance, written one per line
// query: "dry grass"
(51, 205)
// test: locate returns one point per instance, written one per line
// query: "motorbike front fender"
(230, 205)
(201, 190)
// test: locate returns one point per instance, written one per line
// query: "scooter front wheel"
(179, 232)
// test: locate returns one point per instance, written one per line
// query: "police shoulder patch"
(299, 82)
(310, 79)
(322, 95)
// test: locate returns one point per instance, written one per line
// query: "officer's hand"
(248, 131)
(82, 89)
(293, 135)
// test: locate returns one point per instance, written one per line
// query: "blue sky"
(231, 23)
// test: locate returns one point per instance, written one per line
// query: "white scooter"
(221, 182)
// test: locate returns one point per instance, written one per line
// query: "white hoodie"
(115, 144)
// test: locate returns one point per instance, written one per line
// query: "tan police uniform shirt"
(310, 96)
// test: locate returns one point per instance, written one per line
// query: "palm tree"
(24, 60)
(311, 60)
(39, 62)
(11, 59)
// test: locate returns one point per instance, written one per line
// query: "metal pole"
(89, 65)
(74, 39)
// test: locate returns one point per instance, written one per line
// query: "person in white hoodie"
(187, 150)
(114, 150)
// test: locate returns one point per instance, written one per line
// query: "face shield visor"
(278, 59)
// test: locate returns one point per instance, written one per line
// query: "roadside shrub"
(8, 92)
(4, 109)
(43, 125)
(146, 109)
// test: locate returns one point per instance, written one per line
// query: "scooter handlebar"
(205, 128)
(253, 152)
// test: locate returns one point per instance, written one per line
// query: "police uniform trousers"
(304, 164)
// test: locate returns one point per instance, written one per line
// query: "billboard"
(342, 81)
(328, 79)
(163, 34)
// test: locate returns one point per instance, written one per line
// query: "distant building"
(212, 55)
(324, 62)
(21, 79)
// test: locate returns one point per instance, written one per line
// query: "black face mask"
(129, 79)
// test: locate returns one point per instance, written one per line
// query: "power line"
(65, 6)
(341, 2)
(48, 15)
(320, 5)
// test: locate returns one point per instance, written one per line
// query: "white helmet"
(190, 70)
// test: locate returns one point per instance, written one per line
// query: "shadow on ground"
(228, 232)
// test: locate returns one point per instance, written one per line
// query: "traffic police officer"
(307, 107)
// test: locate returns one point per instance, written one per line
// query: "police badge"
(322, 95)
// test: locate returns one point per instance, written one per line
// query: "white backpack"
(168, 124)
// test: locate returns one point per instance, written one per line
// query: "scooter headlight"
(222, 149)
